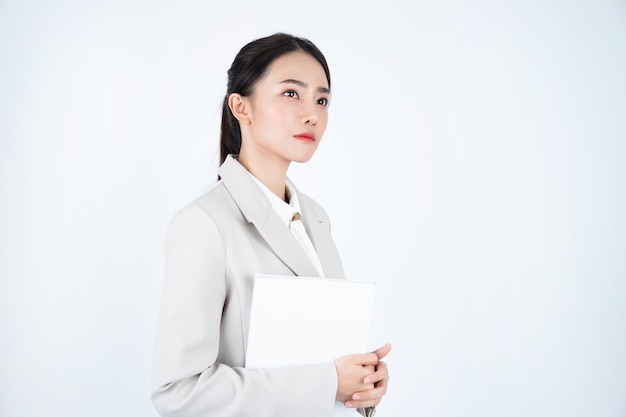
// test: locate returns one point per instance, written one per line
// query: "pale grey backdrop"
(483, 144)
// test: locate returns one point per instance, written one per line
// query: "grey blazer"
(213, 248)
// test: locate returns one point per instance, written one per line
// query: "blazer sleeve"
(186, 379)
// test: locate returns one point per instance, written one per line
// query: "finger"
(369, 398)
(381, 370)
(377, 392)
(380, 374)
(383, 351)
(362, 404)
(366, 358)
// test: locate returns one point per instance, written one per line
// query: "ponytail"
(230, 135)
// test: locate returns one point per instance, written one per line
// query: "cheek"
(272, 111)
(323, 119)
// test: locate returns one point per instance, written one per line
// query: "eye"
(290, 94)
(322, 101)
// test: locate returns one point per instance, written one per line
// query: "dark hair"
(249, 66)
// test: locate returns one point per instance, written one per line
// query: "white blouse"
(290, 215)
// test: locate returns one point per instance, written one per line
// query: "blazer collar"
(258, 211)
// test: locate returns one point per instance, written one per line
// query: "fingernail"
(367, 380)
(356, 397)
(349, 405)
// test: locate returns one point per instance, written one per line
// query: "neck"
(272, 172)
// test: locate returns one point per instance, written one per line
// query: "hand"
(352, 370)
(380, 378)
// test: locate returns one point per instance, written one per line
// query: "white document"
(296, 321)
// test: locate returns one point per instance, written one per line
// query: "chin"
(302, 158)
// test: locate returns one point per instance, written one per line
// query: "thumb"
(383, 351)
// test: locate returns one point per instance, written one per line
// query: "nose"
(309, 114)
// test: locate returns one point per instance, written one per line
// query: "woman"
(275, 112)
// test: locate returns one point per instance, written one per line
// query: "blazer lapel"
(318, 229)
(257, 210)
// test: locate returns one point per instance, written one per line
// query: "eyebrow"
(304, 85)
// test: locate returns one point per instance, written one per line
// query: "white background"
(473, 167)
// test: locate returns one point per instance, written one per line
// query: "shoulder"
(215, 202)
(210, 210)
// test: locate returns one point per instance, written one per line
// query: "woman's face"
(288, 110)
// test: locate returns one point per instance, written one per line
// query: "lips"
(305, 136)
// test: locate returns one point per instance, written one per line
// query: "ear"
(240, 107)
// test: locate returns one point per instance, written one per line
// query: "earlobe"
(239, 107)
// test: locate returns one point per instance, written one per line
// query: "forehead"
(297, 65)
